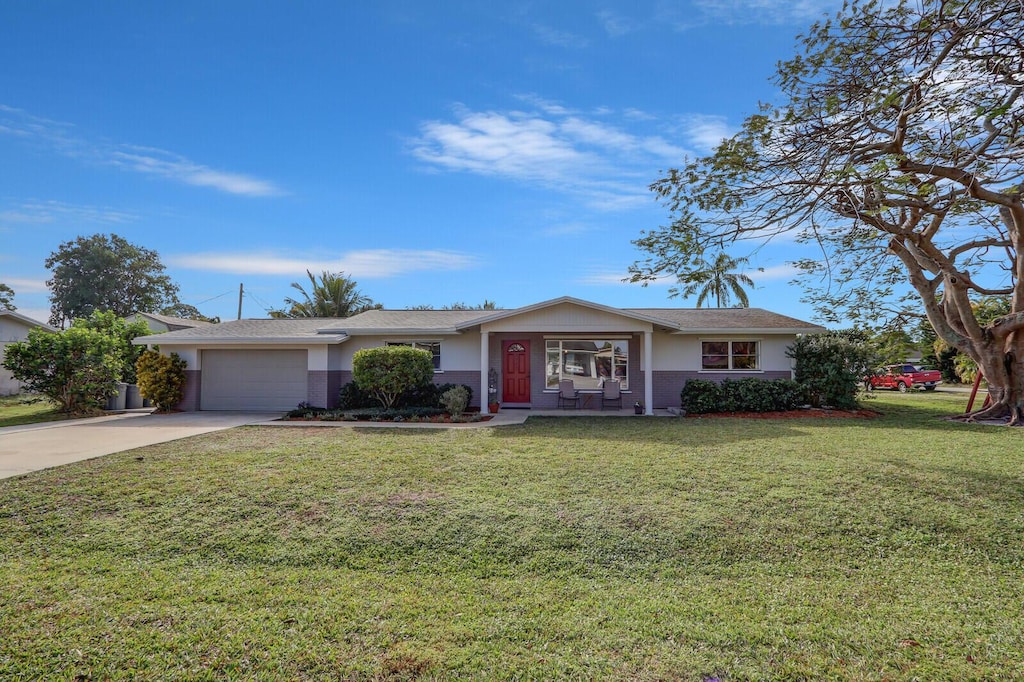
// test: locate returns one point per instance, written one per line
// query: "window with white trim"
(432, 347)
(588, 362)
(729, 355)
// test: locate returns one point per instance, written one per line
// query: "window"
(432, 347)
(729, 355)
(587, 362)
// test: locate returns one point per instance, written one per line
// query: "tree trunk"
(1004, 373)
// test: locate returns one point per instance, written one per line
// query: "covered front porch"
(526, 355)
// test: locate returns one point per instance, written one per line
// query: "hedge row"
(700, 396)
(351, 397)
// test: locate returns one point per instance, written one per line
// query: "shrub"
(700, 396)
(831, 367)
(161, 379)
(351, 397)
(77, 368)
(388, 371)
(455, 400)
(444, 388)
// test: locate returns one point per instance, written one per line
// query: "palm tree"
(709, 280)
(333, 295)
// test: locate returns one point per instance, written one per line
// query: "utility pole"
(240, 290)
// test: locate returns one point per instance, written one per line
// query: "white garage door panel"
(270, 380)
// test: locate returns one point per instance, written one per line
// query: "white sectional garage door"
(261, 380)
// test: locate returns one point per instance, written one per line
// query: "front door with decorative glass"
(515, 371)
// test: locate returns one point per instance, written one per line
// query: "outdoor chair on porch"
(567, 394)
(612, 394)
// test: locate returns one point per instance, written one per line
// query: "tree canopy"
(6, 297)
(895, 154)
(106, 272)
(715, 280)
(330, 295)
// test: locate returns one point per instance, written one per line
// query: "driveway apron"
(41, 446)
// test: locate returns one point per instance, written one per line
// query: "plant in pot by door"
(492, 391)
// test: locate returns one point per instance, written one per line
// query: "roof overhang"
(747, 331)
(395, 331)
(163, 340)
(503, 314)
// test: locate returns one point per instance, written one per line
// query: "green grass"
(579, 548)
(21, 409)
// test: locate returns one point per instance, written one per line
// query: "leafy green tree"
(831, 366)
(330, 295)
(715, 280)
(895, 152)
(161, 379)
(187, 312)
(77, 368)
(389, 371)
(7, 297)
(121, 334)
(104, 272)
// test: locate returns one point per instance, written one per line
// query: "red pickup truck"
(903, 378)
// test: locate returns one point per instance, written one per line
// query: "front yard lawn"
(580, 548)
(16, 410)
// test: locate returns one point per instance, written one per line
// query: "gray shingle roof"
(332, 330)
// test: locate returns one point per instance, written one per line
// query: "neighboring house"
(165, 323)
(276, 364)
(14, 327)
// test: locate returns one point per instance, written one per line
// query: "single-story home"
(14, 327)
(277, 364)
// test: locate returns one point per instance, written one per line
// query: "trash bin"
(133, 398)
(117, 401)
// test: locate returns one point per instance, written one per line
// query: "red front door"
(515, 371)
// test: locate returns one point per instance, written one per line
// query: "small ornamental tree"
(161, 379)
(77, 368)
(121, 334)
(388, 371)
(831, 367)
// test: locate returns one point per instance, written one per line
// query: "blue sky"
(434, 151)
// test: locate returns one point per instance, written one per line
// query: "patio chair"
(567, 394)
(611, 394)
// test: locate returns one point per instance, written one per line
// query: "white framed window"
(588, 362)
(432, 347)
(725, 356)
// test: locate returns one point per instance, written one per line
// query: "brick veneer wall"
(316, 388)
(193, 386)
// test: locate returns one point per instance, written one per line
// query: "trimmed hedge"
(700, 396)
(351, 397)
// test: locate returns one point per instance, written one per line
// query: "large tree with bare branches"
(897, 150)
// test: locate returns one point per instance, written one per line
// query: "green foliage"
(831, 366)
(7, 297)
(187, 312)
(351, 397)
(121, 333)
(709, 280)
(77, 368)
(106, 273)
(700, 396)
(161, 379)
(330, 295)
(455, 400)
(388, 371)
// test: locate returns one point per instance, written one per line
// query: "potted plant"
(492, 391)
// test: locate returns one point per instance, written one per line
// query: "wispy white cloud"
(559, 38)
(614, 24)
(22, 285)
(774, 272)
(61, 138)
(366, 264)
(47, 212)
(772, 12)
(705, 132)
(606, 158)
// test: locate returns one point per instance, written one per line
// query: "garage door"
(262, 380)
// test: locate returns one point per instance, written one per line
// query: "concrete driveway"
(41, 446)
